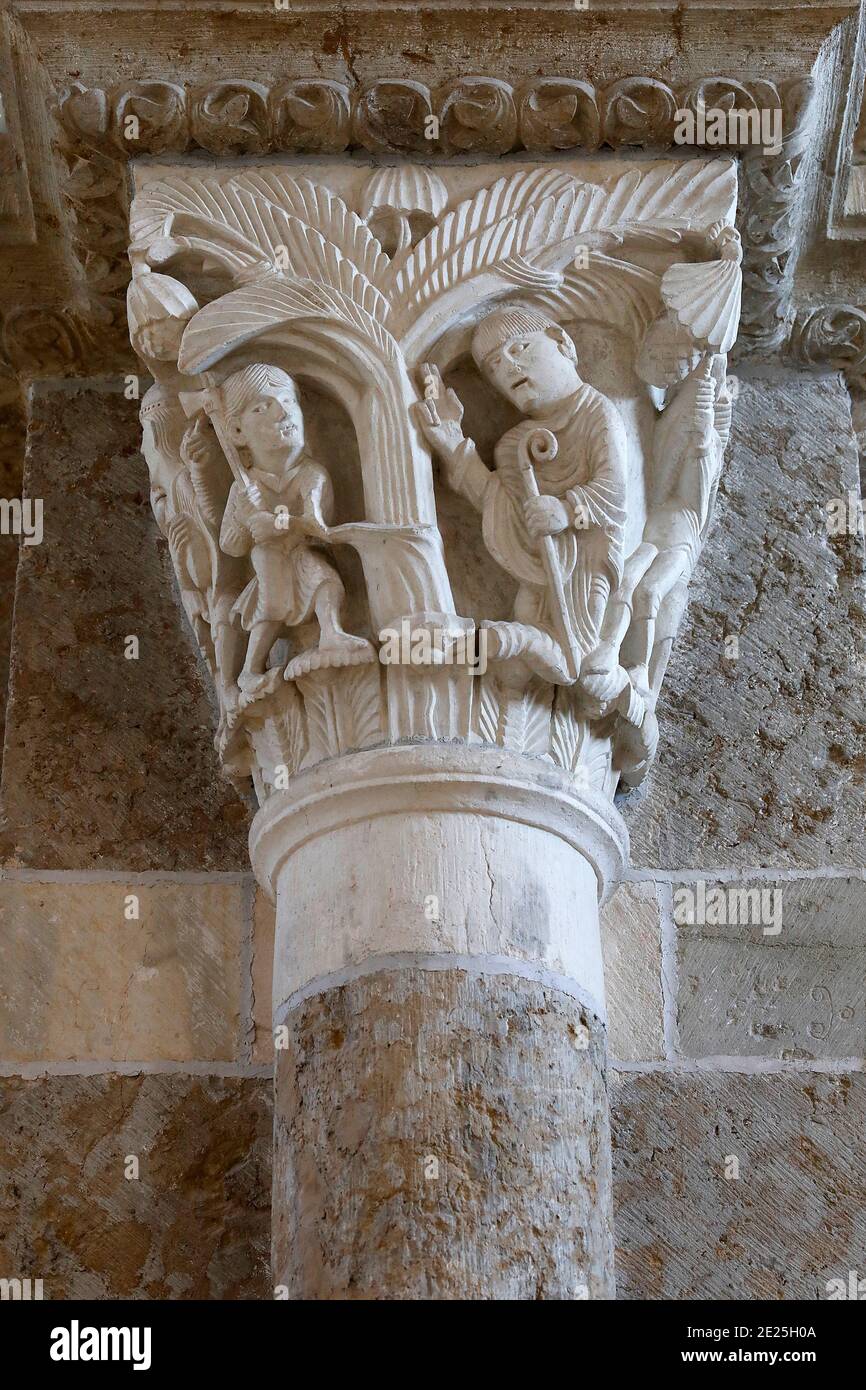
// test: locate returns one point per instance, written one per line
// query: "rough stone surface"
(11, 470)
(631, 945)
(763, 759)
(109, 762)
(389, 1077)
(82, 982)
(800, 993)
(194, 1224)
(792, 1221)
(264, 921)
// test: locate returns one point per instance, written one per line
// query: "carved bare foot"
(343, 643)
(255, 686)
(341, 649)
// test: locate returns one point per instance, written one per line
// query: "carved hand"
(440, 414)
(314, 524)
(545, 516)
(196, 448)
(263, 526)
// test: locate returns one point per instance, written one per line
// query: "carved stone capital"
(446, 485)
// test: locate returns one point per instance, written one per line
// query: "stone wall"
(137, 951)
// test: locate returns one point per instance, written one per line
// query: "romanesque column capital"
(435, 450)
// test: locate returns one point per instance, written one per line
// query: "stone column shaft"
(441, 1119)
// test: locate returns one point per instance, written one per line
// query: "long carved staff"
(539, 446)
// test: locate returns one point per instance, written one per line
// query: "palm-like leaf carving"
(302, 251)
(262, 220)
(613, 291)
(524, 229)
(254, 309)
(493, 229)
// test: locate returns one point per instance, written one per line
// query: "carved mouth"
(521, 381)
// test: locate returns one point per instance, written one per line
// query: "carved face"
(667, 354)
(534, 371)
(160, 339)
(272, 427)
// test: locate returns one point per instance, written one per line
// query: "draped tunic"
(589, 475)
(288, 570)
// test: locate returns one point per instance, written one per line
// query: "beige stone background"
(148, 1038)
(151, 1038)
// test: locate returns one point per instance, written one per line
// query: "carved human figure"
(188, 492)
(276, 521)
(688, 448)
(159, 309)
(581, 484)
(173, 499)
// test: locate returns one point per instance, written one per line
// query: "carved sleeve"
(469, 475)
(317, 492)
(601, 500)
(235, 538)
(159, 503)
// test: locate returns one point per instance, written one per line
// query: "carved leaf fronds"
(645, 196)
(623, 295)
(361, 697)
(322, 720)
(564, 732)
(484, 230)
(325, 213)
(531, 223)
(488, 710)
(290, 732)
(526, 719)
(267, 220)
(255, 309)
(573, 745)
(594, 761)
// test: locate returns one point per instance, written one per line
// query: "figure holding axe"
(278, 508)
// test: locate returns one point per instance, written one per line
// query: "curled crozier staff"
(540, 446)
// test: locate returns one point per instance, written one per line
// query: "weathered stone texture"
(763, 758)
(793, 1219)
(195, 1224)
(801, 993)
(109, 762)
(264, 923)
(631, 944)
(12, 427)
(491, 1080)
(83, 983)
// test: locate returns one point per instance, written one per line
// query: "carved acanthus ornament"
(305, 382)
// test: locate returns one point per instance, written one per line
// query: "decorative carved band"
(479, 115)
